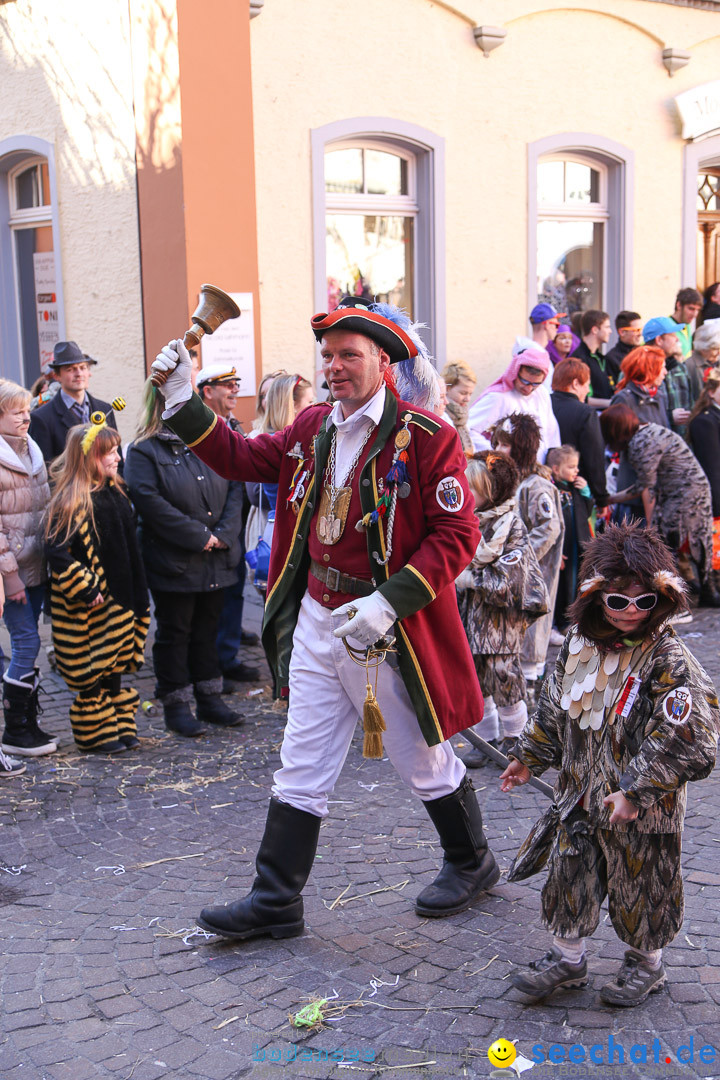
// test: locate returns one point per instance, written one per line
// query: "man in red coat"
(374, 522)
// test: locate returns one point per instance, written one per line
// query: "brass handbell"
(215, 308)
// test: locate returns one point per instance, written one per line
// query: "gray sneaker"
(634, 982)
(550, 973)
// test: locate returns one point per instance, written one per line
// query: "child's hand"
(99, 599)
(623, 809)
(563, 560)
(579, 482)
(515, 775)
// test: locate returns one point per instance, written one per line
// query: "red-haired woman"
(673, 488)
(640, 388)
(643, 373)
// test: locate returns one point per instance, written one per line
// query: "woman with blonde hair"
(24, 494)
(460, 380)
(98, 595)
(262, 393)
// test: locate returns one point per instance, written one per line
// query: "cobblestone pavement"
(106, 862)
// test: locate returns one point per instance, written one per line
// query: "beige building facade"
(550, 164)
(463, 159)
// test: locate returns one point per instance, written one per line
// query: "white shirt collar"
(373, 410)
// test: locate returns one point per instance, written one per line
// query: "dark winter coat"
(181, 503)
(580, 427)
(49, 425)
(604, 375)
(705, 441)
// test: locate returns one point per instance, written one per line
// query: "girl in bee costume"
(98, 596)
(628, 717)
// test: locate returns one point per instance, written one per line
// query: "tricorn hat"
(69, 352)
(358, 315)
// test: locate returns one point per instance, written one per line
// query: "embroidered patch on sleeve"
(450, 495)
(511, 558)
(677, 704)
(545, 505)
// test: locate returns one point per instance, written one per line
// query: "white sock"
(572, 949)
(514, 718)
(530, 671)
(652, 957)
(489, 726)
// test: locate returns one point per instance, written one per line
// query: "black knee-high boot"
(469, 867)
(274, 905)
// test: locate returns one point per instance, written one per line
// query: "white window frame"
(698, 156)
(616, 163)
(595, 213)
(425, 202)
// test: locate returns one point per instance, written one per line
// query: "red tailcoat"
(435, 537)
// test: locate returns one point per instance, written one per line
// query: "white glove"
(375, 616)
(465, 580)
(176, 359)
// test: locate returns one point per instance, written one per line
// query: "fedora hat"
(69, 352)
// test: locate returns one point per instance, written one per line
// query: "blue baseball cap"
(543, 312)
(663, 324)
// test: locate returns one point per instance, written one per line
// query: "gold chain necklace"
(335, 498)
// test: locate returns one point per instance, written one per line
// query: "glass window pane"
(551, 182)
(370, 255)
(27, 194)
(570, 259)
(344, 171)
(582, 184)
(385, 174)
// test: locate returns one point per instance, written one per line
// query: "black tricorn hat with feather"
(623, 555)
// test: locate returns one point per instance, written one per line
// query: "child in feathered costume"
(628, 717)
(499, 595)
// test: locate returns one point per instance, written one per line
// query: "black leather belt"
(336, 581)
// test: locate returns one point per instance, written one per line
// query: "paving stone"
(130, 999)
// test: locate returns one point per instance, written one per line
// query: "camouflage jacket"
(508, 594)
(667, 737)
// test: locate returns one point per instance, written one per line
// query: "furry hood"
(620, 556)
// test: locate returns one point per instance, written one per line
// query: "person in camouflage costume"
(499, 595)
(628, 717)
(539, 506)
(674, 490)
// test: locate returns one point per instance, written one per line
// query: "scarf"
(459, 416)
(495, 523)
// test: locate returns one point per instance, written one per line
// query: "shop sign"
(234, 343)
(46, 304)
(699, 110)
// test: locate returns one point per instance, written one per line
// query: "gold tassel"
(373, 722)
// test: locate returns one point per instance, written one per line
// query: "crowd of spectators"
(596, 433)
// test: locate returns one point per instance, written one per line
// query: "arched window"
(35, 292)
(378, 211)
(579, 223)
(708, 214)
(31, 317)
(572, 214)
(370, 219)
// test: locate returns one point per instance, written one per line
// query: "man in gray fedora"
(71, 405)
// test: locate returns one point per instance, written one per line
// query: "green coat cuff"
(406, 592)
(193, 422)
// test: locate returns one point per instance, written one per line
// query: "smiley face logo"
(502, 1053)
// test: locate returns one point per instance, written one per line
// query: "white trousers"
(327, 691)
